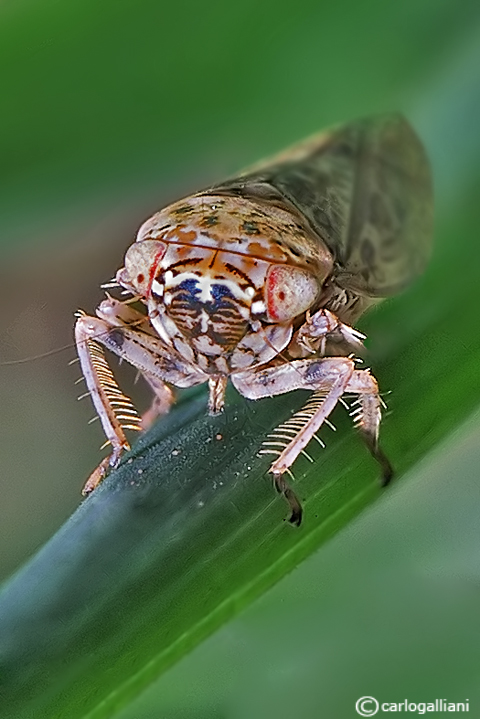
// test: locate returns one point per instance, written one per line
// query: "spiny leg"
(367, 418)
(331, 378)
(333, 386)
(313, 335)
(112, 406)
(149, 354)
(327, 375)
(121, 314)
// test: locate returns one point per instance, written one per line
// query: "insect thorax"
(225, 278)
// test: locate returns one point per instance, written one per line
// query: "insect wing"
(366, 191)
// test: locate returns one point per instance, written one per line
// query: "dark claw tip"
(296, 517)
(295, 506)
(387, 476)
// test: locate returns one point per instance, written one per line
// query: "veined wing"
(365, 189)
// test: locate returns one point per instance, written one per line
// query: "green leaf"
(188, 530)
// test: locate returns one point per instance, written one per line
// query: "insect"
(260, 279)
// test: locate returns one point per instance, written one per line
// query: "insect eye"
(141, 261)
(289, 292)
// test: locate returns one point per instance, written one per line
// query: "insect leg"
(216, 400)
(296, 511)
(313, 334)
(121, 314)
(155, 360)
(163, 398)
(331, 378)
(333, 385)
(367, 416)
(111, 405)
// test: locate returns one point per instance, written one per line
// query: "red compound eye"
(141, 262)
(289, 292)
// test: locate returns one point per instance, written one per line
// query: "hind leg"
(332, 377)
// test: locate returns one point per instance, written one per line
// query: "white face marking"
(205, 320)
(157, 288)
(204, 284)
(258, 307)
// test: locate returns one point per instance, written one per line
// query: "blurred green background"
(108, 111)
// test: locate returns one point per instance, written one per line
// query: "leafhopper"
(260, 280)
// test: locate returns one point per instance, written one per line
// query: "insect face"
(221, 282)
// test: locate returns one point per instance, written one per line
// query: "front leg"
(330, 378)
(111, 404)
(312, 336)
(155, 360)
